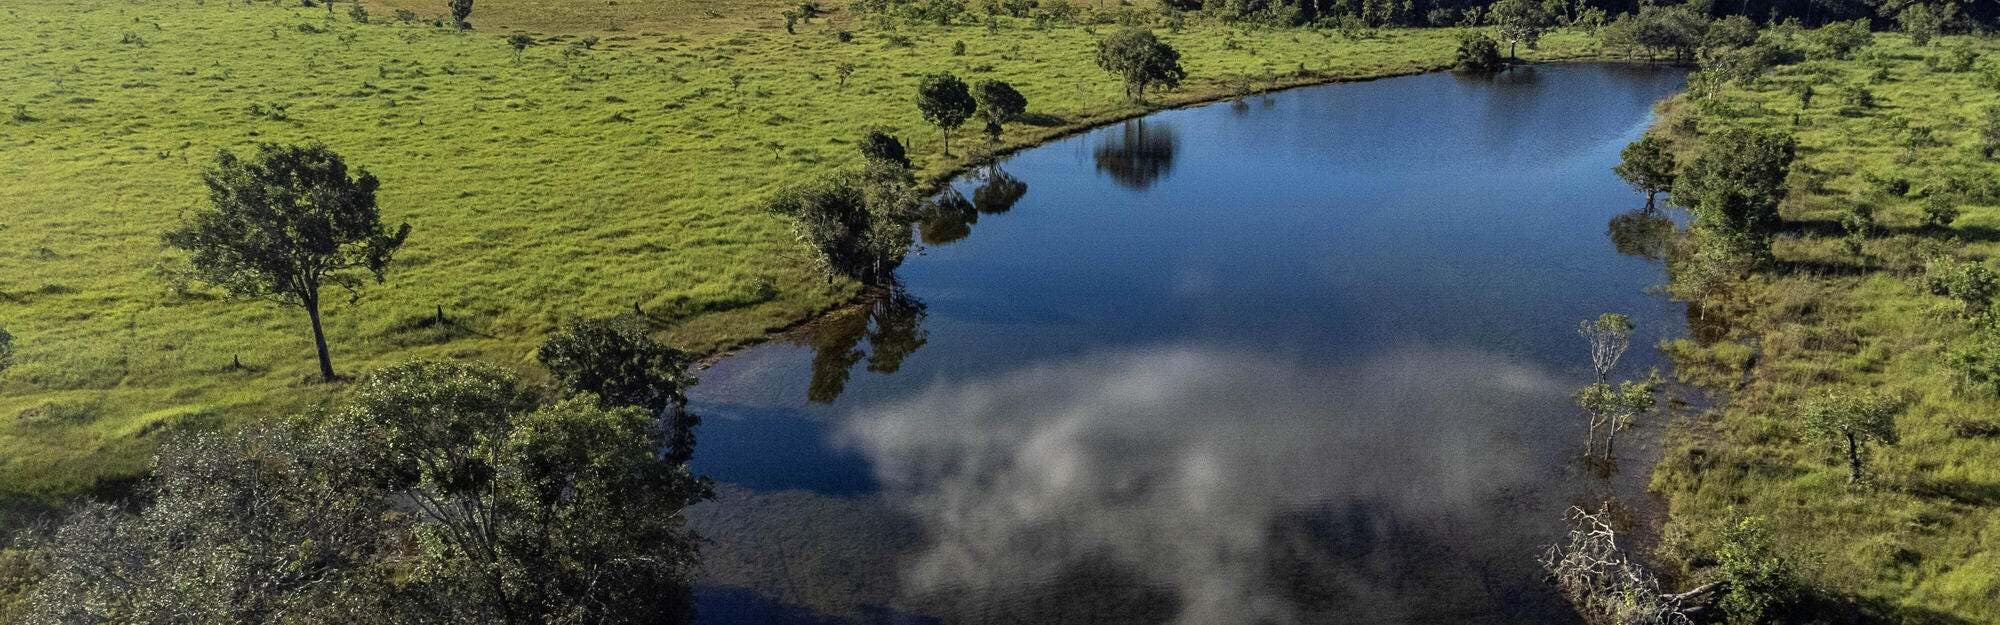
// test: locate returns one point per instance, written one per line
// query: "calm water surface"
(1303, 358)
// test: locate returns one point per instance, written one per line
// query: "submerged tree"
(1609, 334)
(1613, 409)
(284, 225)
(1141, 60)
(1855, 419)
(946, 103)
(1607, 585)
(1647, 165)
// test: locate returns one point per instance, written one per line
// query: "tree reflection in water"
(1643, 233)
(950, 216)
(892, 323)
(1138, 155)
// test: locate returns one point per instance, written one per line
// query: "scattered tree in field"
(856, 222)
(1939, 211)
(615, 360)
(357, 13)
(1141, 60)
(1972, 283)
(946, 103)
(878, 146)
(1478, 53)
(1757, 579)
(1925, 21)
(1840, 39)
(1647, 165)
(1854, 419)
(1735, 185)
(461, 13)
(1521, 22)
(1859, 224)
(1989, 133)
(999, 103)
(285, 224)
(841, 72)
(520, 42)
(1609, 335)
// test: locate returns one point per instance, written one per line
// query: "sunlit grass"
(1922, 542)
(557, 182)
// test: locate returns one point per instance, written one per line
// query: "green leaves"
(1141, 59)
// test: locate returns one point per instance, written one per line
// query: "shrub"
(1478, 53)
(1969, 282)
(1939, 211)
(1761, 580)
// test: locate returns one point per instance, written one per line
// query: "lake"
(1299, 358)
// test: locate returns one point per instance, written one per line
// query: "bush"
(1840, 39)
(1761, 580)
(1478, 53)
(1969, 282)
(1939, 211)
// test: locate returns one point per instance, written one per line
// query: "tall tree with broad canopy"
(1854, 419)
(1647, 165)
(1735, 185)
(946, 103)
(856, 222)
(999, 103)
(1141, 60)
(1521, 22)
(284, 224)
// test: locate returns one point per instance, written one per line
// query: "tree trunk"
(319, 339)
(947, 141)
(1611, 440)
(1853, 459)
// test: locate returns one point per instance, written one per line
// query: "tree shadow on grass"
(1043, 120)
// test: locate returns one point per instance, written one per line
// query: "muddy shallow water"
(1303, 358)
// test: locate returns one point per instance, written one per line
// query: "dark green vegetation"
(1837, 271)
(564, 179)
(438, 493)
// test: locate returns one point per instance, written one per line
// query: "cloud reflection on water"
(1203, 473)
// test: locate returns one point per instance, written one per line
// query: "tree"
(1647, 165)
(1758, 579)
(999, 103)
(856, 222)
(1855, 418)
(1840, 39)
(946, 103)
(285, 224)
(1615, 409)
(1478, 53)
(1141, 60)
(265, 525)
(840, 72)
(461, 11)
(520, 42)
(6, 350)
(1609, 334)
(615, 360)
(878, 146)
(1520, 22)
(1735, 184)
(525, 514)
(1925, 21)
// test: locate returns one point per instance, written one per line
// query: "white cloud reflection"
(1203, 472)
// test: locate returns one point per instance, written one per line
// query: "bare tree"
(1609, 334)
(1607, 587)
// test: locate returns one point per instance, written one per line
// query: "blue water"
(1303, 358)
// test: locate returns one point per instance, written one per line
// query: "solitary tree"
(1925, 21)
(461, 11)
(283, 225)
(880, 147)
(946, 103)
(1854, 418)
(615, 360)
(856, 222)
(1648, 165)
(1141, 60)
(1520, 22)
(520, 42)
(999, 103)
(1478, 53)
(1614, 409)
(1609, 334)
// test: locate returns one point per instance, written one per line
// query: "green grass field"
(559, 181)
(1921, 543)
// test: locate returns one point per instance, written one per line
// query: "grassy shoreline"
(1919, 542)
(554, 181)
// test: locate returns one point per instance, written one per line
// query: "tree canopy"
(284, 224)
(945, 102)
(1141, 60)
